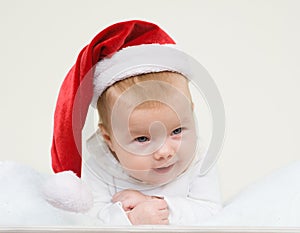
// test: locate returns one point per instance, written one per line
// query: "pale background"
(250, 48)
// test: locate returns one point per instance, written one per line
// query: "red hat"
(77, 90)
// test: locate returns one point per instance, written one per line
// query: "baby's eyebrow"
(185, 119)
(137, 131)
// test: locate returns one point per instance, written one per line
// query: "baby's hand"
(154, 211)
(130, 198)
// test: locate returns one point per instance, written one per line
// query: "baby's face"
(161, 146)
(160, 141)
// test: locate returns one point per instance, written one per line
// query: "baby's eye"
(142, 139)
(177, 131)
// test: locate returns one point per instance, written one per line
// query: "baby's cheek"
(136, 163)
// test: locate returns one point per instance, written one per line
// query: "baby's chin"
(156, 178)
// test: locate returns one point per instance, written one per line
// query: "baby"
(143, 162)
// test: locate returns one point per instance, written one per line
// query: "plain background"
(250, 48)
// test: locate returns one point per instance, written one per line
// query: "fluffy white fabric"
(66, 191)
(274, 201)
(22, 202)
(136, 60)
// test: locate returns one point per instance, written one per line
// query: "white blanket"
(274, 201)
(22, 202)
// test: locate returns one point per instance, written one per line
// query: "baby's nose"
(165, 152)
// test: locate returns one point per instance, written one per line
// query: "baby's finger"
(127, 205)
(119, 195)
(114, 199)
(163, 222)
(162, 204)
(164, 214)
(120, 199)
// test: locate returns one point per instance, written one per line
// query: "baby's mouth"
(165, 169)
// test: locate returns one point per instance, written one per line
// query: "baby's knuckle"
(163, 222)
(160, 202)
(163, 203)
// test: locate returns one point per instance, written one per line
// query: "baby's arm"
(202, 201)
(124, 208)
(130, 198)
(143, 209)
(107, 212)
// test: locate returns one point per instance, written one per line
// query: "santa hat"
(119, 51)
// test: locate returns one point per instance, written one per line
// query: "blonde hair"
(110, 95)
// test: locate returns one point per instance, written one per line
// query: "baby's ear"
(105, 135)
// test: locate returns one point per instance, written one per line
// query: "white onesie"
(191, 198)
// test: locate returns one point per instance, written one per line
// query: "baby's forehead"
(151, 87)
(153, 94)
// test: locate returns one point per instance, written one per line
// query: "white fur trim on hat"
(136, 60)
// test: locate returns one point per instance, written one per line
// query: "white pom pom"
(66, 191)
